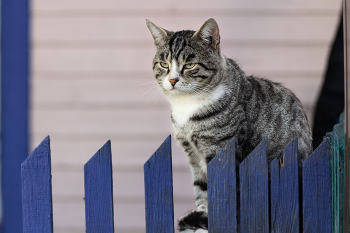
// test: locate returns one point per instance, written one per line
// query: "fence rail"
(279, 202)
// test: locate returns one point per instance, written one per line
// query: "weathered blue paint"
(159, 190)
(317, 209)
(222, 191)
(98, 181)
(37, 191)
(253, 177)
(335, 181)
(338, 140)
(222, 206)
(14, 108)
(285, 190)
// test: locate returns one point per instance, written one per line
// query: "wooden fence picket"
(37, 190)
(337, 151)
(334, 160)
(98, 182)
(159, 190)
(316, 188)
(222, 191)
(254, 197)
(285, 190)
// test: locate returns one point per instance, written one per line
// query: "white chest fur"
(185, 106)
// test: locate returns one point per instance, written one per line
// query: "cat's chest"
(182, 110)
(186, 106)
(186, 129)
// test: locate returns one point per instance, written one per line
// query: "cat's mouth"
(174, 90)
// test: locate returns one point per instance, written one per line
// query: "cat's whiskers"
(199, 94)
(202, 93)
(153, 92)
(147, 83)
(156, 92)
(155, 98)
(160, 92)
(150, 90)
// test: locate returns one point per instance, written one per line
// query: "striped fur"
(214, 101)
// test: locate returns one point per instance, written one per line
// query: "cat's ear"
(208, 34)
(159, 35)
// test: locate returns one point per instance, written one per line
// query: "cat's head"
(187, 62)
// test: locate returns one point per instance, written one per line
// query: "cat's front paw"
(194, 222)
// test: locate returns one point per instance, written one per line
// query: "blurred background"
(92, 80)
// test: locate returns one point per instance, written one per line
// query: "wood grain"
(159, 190)
(336, 173)
(285, 190)
(317, 208)
(37, 191)
(338, 132)
(222, 191)
(98, 183)
(253, 181)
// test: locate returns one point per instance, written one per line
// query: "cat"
(212, 101)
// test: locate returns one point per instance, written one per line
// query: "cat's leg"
(197, 220)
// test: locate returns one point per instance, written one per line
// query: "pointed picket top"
(37, 190)
(317, 208)
(254, 197)
(98, 181)
(222, 191)
(285, 190)
(104, 152)
(159, 190)
(164, 151)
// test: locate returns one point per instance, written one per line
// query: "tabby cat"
(212, 101)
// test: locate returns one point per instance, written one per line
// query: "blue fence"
(266, 204)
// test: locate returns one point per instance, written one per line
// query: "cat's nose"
(173, 81)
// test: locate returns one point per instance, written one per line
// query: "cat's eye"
(189, 66)
(164, 64)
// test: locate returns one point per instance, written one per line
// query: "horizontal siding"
(124, 59)
(256, 29)
(92, 80)
(46, 5)
(122, 122)
(136, 90)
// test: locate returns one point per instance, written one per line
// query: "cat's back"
(274, 111)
